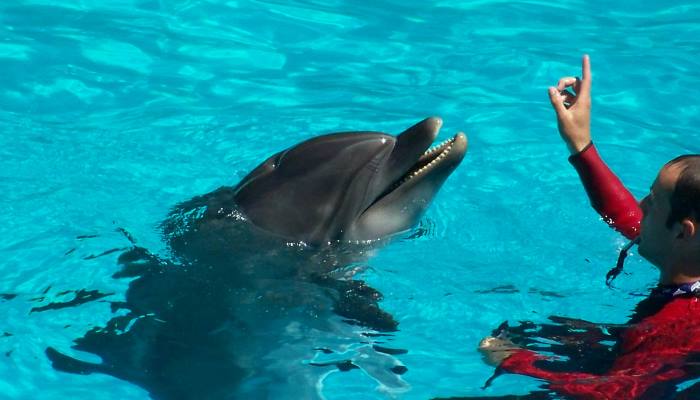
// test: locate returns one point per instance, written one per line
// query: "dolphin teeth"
(438, 147)
(443, 149)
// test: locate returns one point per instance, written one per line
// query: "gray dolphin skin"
(349, 186)
(259, 295)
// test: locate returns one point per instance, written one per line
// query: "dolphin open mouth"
(409, 179)
(444, 156)
(428, 160)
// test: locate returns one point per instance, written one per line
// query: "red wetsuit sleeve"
(653, 351)
(523, 362)
(608, 195)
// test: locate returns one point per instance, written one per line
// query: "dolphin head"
(349, 186)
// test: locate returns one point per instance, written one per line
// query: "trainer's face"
(656, 239)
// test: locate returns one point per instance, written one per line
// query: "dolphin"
(343, 186)
(259, 296)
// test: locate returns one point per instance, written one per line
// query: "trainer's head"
(670, 230)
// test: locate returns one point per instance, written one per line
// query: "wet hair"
(685, 199)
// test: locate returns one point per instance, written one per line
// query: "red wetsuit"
(654, 349)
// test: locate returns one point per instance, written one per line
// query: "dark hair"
(685, 199)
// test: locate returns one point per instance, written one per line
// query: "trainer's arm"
(608, 195)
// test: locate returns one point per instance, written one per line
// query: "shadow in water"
(234, 313)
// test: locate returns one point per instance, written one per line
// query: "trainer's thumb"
(557, 100)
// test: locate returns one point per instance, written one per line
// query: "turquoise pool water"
(113, 112)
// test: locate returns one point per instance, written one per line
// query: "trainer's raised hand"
(574, 109)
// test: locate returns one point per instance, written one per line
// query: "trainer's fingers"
(577, 86)
(566, 82)
(586, 75)
(557, 100)
(568, 98)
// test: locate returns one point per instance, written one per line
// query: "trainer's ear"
(689, 228)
